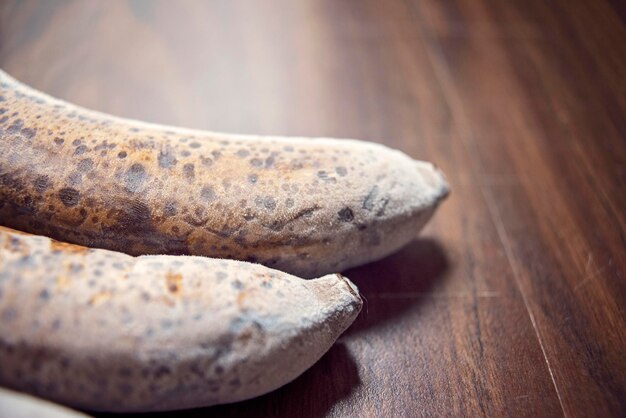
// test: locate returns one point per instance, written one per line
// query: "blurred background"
(512, 301)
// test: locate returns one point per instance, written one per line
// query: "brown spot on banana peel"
(155, 333)
(173, 282)
(156, 194)
(63, 246)
(99, 297)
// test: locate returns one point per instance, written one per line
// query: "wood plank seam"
(452, 97)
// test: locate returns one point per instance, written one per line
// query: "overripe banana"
(308, 207)
(102, 330)
(20, 405)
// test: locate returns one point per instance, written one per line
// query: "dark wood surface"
(512, 302)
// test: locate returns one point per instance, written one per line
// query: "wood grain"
(512, 301)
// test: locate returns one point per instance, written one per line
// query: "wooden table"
(512, 302)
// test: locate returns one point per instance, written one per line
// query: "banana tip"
(436, 179)
(351, 286)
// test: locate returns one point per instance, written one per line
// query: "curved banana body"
(304, 206)
(102, 330)
(20, 405)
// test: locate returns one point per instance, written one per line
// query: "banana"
(19, 405)
(307, 207)
(102, 330)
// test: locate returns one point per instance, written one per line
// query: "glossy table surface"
(512, 301)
